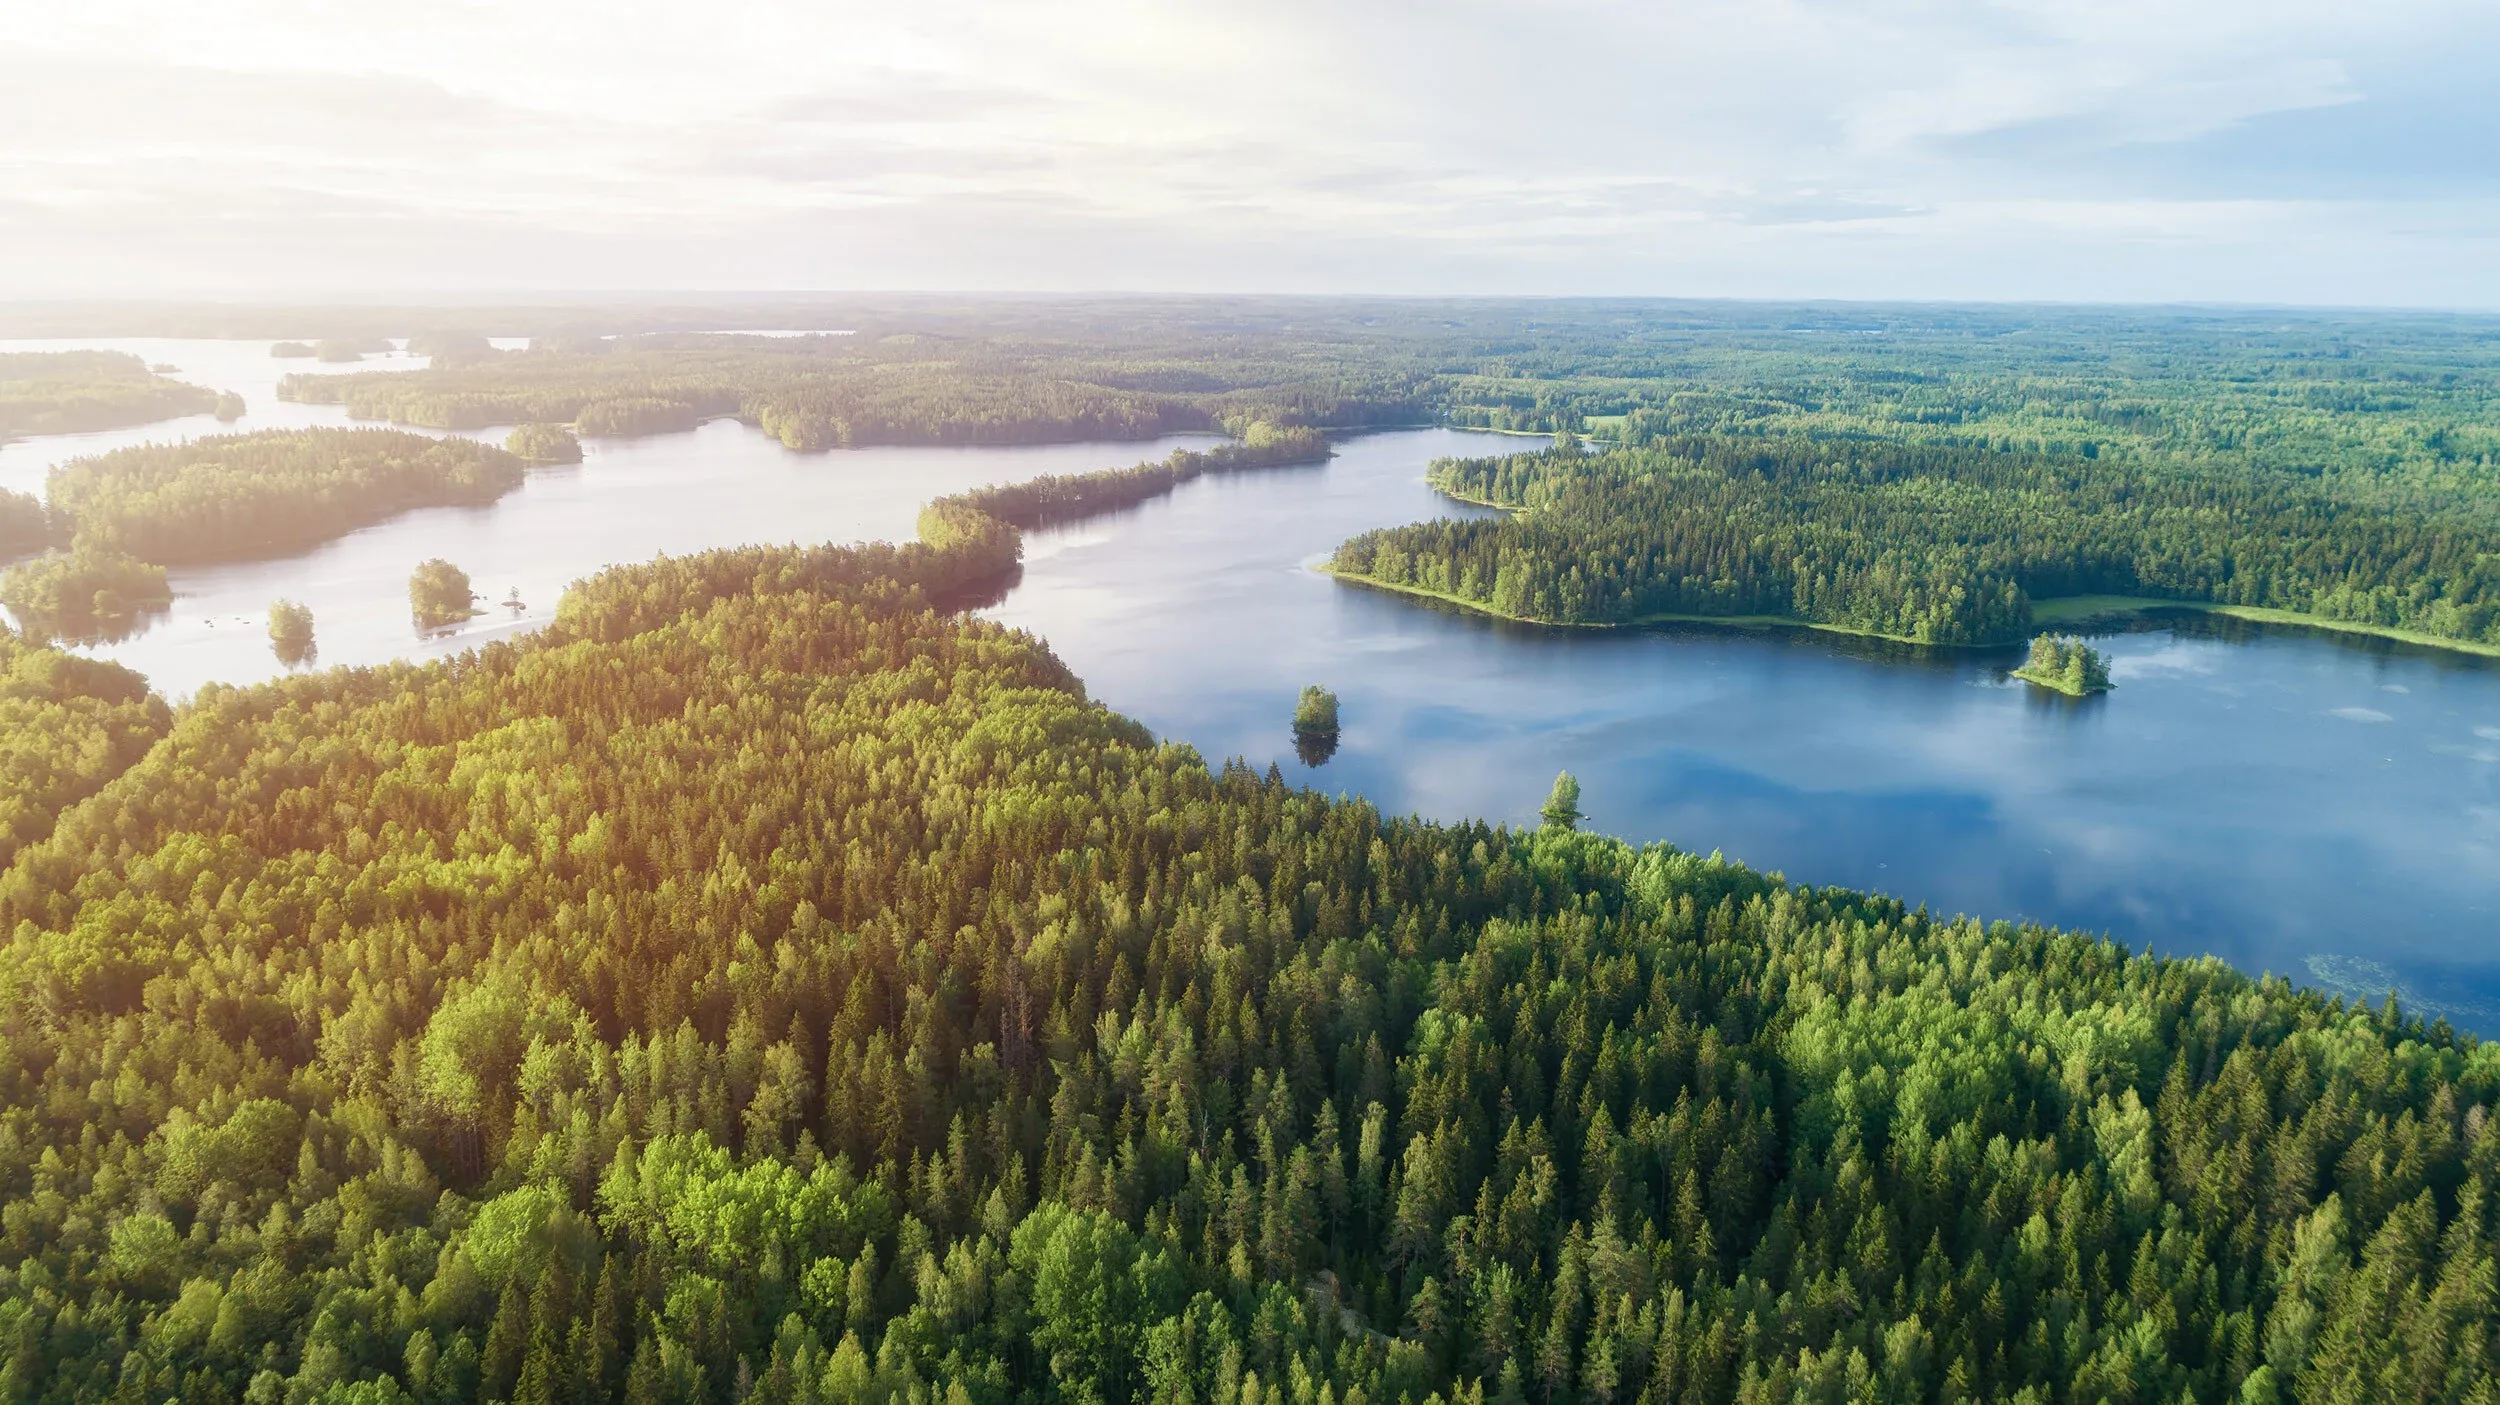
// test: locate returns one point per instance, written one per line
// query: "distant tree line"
(79, 392)
(827, 393)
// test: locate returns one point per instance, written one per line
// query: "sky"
(2267, 151)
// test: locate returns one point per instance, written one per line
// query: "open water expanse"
(2321, 806)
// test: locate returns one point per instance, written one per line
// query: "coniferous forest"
(237, 496)
(769, 984)
(774, 983)
(1933, 543)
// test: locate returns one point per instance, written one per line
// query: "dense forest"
(75, 392)
(1929, 542)
(2386, 407)
(25, 524)
(67, 725)
(828, 393)
(769, 985)
(238, 496)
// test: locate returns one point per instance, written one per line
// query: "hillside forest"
(770, 984)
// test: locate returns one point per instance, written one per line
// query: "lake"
(723, 484)
(2320, 806)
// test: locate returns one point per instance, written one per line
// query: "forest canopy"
(2397, 408)
(238, 496)
(767, 984)
(1932, 543)
(67, 726)
(827, 393)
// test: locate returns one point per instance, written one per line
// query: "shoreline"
(2062, 610)
(2080, 609)
(1730, 621)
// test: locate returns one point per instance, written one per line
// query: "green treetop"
(1562, 806)
(291, 631)
(2066, 664)
(438, 593)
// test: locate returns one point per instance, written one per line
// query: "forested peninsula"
(76, 392)
(770, 984)
(237, 496)
(1039, 502)
(1930, 543)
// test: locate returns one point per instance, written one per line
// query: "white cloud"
(1891, 148)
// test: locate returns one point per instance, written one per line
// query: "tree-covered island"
(291, 631)
(439, 594)
(2066, 665)
(1315, 726)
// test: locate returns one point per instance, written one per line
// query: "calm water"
(245, 368)
(2292, 802)
(628, 500)
(2288, 801)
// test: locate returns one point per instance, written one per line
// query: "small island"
(439, 594)
(292, 350)
(229, 407)
(1315, 726)
(2067, 665)
(544, 443)
(291, 632)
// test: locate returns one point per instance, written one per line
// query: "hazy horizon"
(2302, 155)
